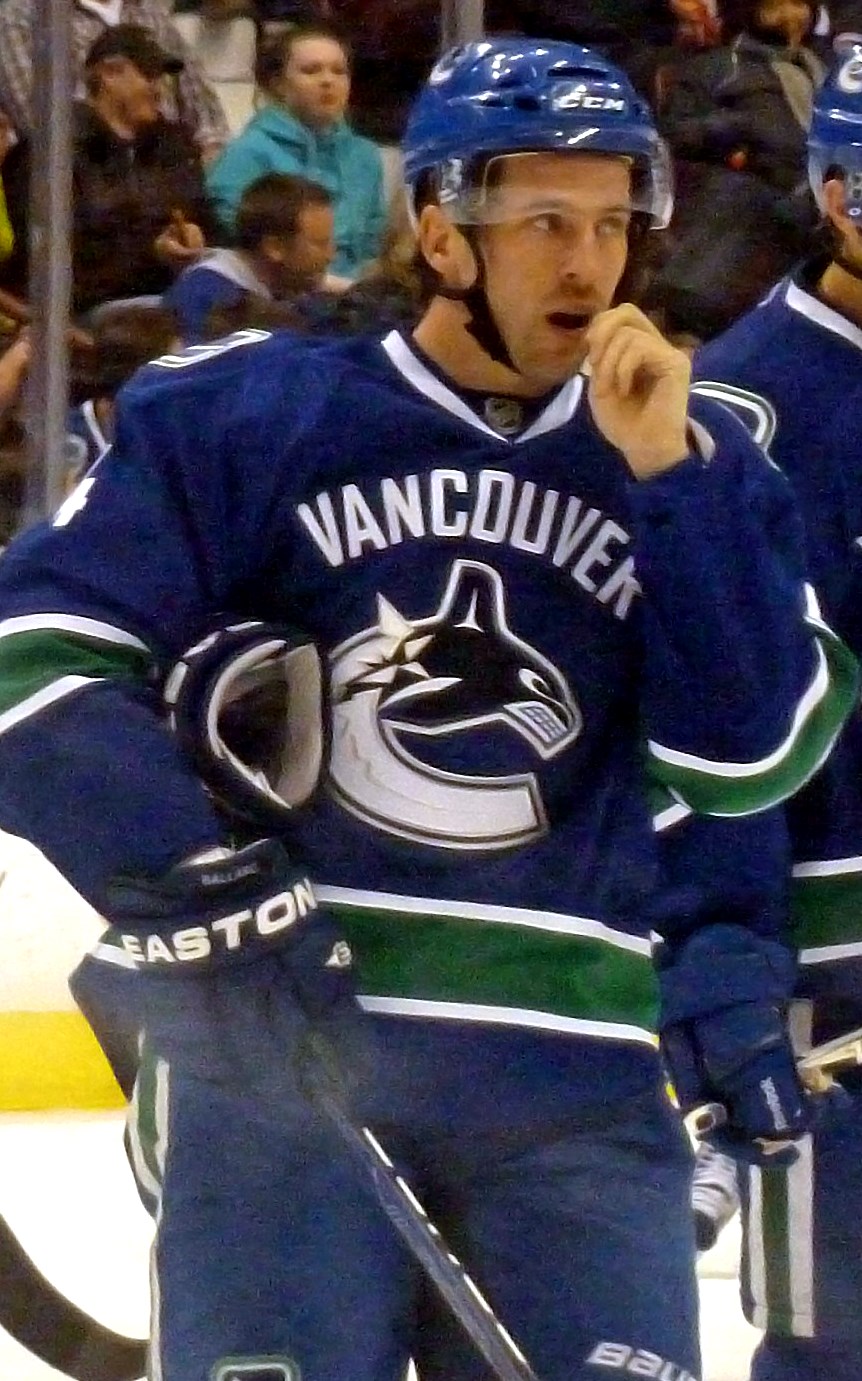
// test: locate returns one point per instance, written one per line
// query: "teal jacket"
(348, 166)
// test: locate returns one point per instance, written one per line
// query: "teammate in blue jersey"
(794, 366)
(533, 564)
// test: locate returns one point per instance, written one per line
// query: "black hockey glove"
(725, 1043)
(244, 977)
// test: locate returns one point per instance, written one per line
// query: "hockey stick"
(816, 1069)
(408, 1217)
(840, 1053)
(41, 1319)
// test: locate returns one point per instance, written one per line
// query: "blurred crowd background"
(235, 166)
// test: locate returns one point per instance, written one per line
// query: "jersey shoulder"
(247, 375)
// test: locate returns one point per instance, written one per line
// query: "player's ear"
(445, 248)
(835, 206)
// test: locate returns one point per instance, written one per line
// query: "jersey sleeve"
(722, 871)
(144, 556)
(746, 688)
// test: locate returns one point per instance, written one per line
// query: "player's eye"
(549, 223)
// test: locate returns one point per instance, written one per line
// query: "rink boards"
(48, 1058)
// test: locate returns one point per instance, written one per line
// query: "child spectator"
(140, 210)
(282, 246)
(304, 77)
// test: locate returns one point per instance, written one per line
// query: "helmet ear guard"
(246, 705)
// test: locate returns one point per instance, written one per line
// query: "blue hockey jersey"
(794, 371)
(514, 627)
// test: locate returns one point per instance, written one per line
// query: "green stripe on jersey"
(479, 963)
(728, 789)
(30, 662)
(826, 911)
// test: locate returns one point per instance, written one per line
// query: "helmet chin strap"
(481, 325)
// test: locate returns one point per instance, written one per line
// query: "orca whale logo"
(461, 670)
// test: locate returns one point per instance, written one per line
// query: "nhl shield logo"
(505, 415)
(407, 689)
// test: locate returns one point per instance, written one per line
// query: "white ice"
(66, 1191)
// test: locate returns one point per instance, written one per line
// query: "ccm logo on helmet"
(575, 96)
(228, 933)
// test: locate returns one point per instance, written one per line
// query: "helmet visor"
(495, 192)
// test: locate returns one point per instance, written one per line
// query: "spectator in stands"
(304, 78)
(747, 103)
(251, 314)
(140, 210)
(736, 117)
(15, 355)
(192, 100)
(698, 24)
(122, 341)
(282, 246)
(387, 295)
(7, 235)
(395, 43)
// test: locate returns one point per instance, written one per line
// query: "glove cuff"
(213, 911)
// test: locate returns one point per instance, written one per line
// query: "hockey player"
(794, 365)
(526, 581)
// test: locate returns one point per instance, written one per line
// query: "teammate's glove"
(725, 1042)
(244, 972)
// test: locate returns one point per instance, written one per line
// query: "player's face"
(315, 81)
(556, 260)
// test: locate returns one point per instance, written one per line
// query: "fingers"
(625, 350)
(622, 364)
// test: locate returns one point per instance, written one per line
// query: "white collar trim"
(561, 408)
(809, 306)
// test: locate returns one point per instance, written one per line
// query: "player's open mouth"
(569, 321)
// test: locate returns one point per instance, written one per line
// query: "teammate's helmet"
(835, 135)
(505, 96)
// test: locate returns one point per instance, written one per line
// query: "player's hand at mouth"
(638, 389)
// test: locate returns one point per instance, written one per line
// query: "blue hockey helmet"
(504, 96)
(835, 134)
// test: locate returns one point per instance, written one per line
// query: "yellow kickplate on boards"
(52, 1060)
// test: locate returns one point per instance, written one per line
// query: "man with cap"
(191, 99)
(139, 205)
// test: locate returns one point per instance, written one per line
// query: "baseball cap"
(138, 45)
